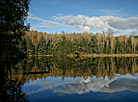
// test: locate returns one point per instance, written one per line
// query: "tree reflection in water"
(11, 88)
(43, 67)
(12, 92)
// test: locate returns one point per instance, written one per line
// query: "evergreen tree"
(30, 47)
(13, 14)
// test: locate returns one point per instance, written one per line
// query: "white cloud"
(134, 32)
(113, 12)
(46, 23)
(109, 24)
(43, 26)
(51, 1)
(30, 16)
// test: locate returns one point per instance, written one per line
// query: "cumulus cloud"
(109, 24)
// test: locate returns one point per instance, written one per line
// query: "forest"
(39, 43)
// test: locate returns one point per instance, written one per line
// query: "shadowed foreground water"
(73, 79)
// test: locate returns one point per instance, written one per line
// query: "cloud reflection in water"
(80, 86)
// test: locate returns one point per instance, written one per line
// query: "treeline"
(39, 43)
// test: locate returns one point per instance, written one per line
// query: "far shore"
(95, 55)
(112, 55)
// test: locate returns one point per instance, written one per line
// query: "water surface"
(73, 79)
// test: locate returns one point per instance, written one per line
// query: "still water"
(59, 79)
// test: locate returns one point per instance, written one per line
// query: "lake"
(64, 79)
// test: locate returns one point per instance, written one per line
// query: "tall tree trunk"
(98, 45)
(125, 45)
(132, 46)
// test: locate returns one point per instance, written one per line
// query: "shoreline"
(112, 55)
(95, 55)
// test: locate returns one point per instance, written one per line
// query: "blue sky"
(119, 17)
